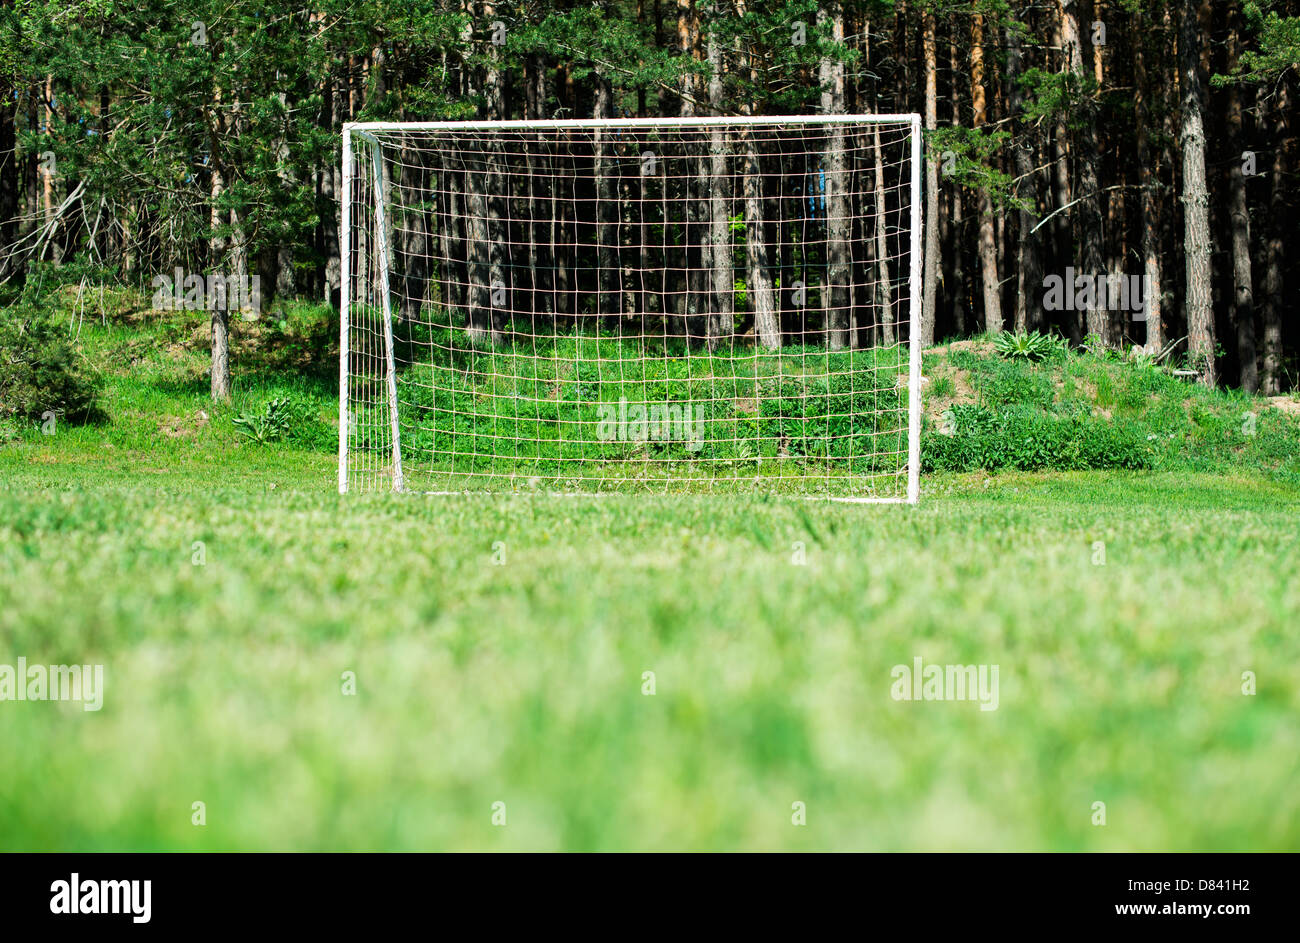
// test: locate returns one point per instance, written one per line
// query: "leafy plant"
(273, 423)
(1032, 346)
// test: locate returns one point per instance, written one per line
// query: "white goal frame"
(368, 131)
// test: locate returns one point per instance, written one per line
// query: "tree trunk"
(46, 129)
(687, 44)
(953, 238)
(1243, 309)
(758, 282)
(689, 272)
(217, 248)
(837, 290)
(486, 190)
(604, 169)
(1196, 200)
(1149, 180)
(481, 327)
(1274, 253)
(9, 181)
(1088, 209)
(541, 184)
(884, 286)
(930, 271)
(988, 247)
(1061, 189)
(329, 186)
(722, 323)
(1029, 268)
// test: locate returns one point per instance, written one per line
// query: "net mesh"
(629, 307)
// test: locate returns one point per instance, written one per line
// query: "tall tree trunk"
(1061, 189)
(542, 184)
(329, 189)
(881, 287)
(1029, 268)
(217, 249)
(758, 281)
(444, 274)
(953, 240)
(687, 298)
(722, 322)
(1149, 180)
(688, 45)
(930, 270)
(605, 169)
(903, 88)
(533, 70)
(1088, 209)
(837, 290)
(488, 195)
(481, 329)
(1196, 200)
(1169, 241)
(988, 247)
(884, 287)
(46, 130)
(9, 181)
(31, 218)
(1274, 253)
(557, 237)
(1243, 308)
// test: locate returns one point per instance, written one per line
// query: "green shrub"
(41, 371)
(1026, 439)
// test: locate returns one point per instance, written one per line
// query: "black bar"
(332, 893)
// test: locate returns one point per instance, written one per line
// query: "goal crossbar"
(370, 127)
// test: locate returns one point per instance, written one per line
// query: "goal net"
(689, 305)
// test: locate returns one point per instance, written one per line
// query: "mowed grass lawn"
(500, 647)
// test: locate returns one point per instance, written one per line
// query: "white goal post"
(632, 305)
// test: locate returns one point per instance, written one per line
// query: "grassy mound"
(1079, 410)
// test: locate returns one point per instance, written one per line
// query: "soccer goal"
(630, 305)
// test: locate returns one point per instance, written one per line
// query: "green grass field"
(554, 412)
(500, 644)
